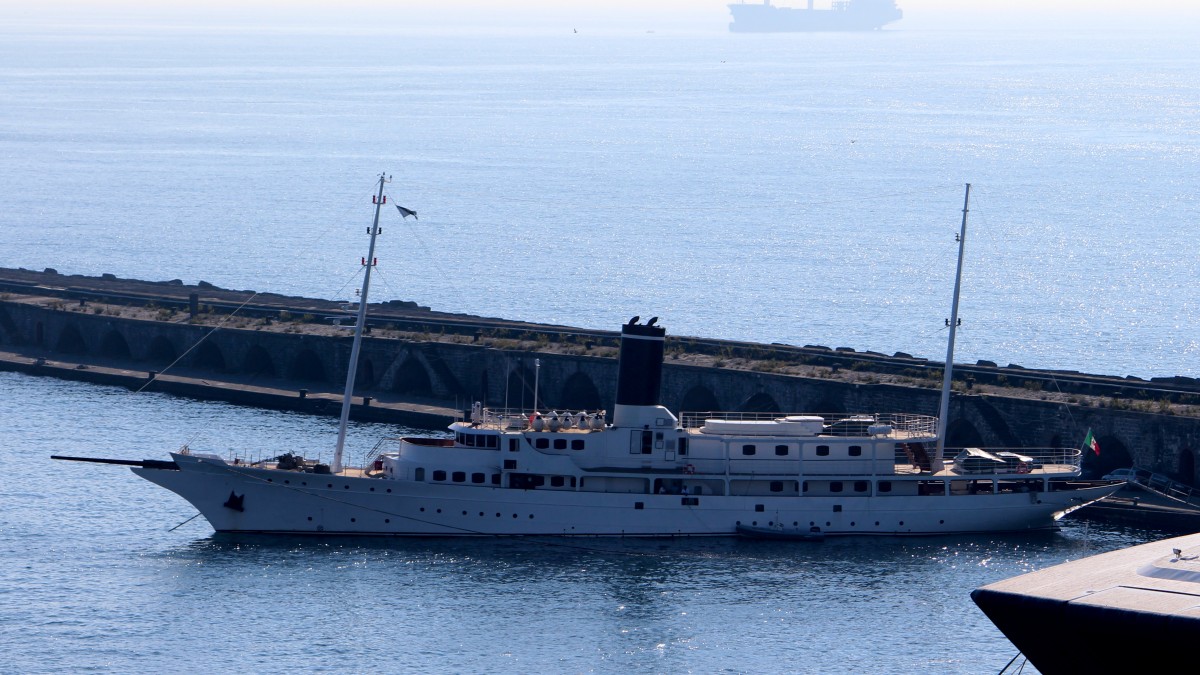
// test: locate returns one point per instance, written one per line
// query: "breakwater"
(419, 367)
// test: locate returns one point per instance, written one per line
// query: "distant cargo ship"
(844, 15)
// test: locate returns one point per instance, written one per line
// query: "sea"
(801, 189)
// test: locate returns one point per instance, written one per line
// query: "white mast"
(944, 413)
(352, 368)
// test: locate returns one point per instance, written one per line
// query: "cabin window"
(776, 486)
(557, 481)
(804, 486)
(781, 450)
(469, 440)
(822, 451)
(749, 450)
(495, 479)
(835, 486)
(493, 442)
(439, 475)
(460, 437)
(647, 442)
(514, 444)
(856, 451)
(683, 446)
(419, 473)
(577, 444)
(541, 443)
(658, 440)
(860, 486)
(560, 444)
(885, 486)
(459, 476)
(477, 478)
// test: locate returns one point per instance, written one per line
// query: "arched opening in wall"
(114, 346)
(258, 361)
(412, 379)
(1113, 455)
(70, 341)
(761, 402)
(209, 357)
(518, 391)
(10, 332)
(962, 434)
(579, 393)
(307, 367)
(1187, 467)
(161, 351)
(365, 377)
(699, 399)
(829, 406)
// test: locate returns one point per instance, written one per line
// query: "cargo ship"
(843, 15)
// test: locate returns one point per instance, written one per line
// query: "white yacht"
(643, 472)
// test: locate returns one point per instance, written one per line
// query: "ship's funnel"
(639, 371)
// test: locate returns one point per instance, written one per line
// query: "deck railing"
(834, 424)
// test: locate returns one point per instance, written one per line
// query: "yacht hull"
(238, 498)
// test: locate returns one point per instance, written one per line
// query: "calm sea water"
(800, 189)
(781, 188)
(94, 580)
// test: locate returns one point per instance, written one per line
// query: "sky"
(662, 15)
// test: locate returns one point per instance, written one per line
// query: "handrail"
(1163, 485)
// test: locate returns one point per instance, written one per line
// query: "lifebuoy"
(1022, 468)
(689, 469)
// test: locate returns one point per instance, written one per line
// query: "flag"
(404, 213)
(1089, 442)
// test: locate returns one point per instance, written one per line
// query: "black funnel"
(639, 371)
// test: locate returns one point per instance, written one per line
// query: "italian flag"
(1089, 441)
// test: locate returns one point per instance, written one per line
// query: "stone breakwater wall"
(457, 373)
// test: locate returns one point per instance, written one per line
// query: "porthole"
(310, 518)
(352, 520)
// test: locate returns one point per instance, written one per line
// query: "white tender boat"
(645, 472)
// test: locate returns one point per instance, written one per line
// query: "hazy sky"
(663, 15)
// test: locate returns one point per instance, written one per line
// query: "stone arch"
(519, 390)
(1187, 467)
(365, 377)
(699, 399)
(412, 378)
(1113, 455)
(960, 433)
(10, 326)
(307, 367)
(258, 361)
(761, 402)
(161, 350)
(70, 341)
(579, 392)
(208, 355)
(114, 345)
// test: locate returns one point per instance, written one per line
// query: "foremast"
(937, 464)
(352, 369)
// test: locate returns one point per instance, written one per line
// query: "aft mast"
(944, 413)
(352, 368)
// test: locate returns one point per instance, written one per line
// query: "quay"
(422, 368)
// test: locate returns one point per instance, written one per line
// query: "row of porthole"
(328, 485)
(481, 513)
(813, 523)
(354, 520)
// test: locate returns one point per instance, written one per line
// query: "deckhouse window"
(541, 443)
(776, 486)
(835, 486)
(822, 451)
(749, 450)
(477, 478)
(459, 476)
(439, 475)
(781, 450)
(419, 473)
(560, 444)
(514, 444)
(683, 443)
(557, 481)
(493, 442)
(856, 451)
(885, 486)
(577, 444)
(860, 486)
